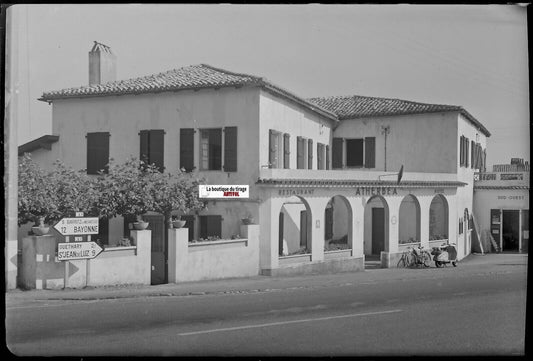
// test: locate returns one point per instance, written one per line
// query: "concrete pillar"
(393, 223)
(10, 148)
(358, 226)
(251, 233)
(143, 241)
(178, 250)
(425, 204)
(268, 242)
(39, 269)
(317, 219)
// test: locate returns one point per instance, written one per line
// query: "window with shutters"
(97, 152)
(210, 226)
(211, 149)
(472, 154)
(354, 153)
(152, 147)
(461, 151)
(286, 151)
(187, 149)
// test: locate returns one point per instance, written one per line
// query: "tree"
(48, 196)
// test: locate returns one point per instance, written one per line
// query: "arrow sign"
(77, 226)
(77, 250)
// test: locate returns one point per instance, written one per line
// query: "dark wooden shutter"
(230, 149)
(484, 160)
(157, 148)
(144, 155)
(103, 230)
(97, 152)
(299, 153)
(272, 149)
(337, 153)
(370, 152)
(466, 152)
(319, 156)
(187, 149)
(327, 157)
(461, 151)
(472, 154)
(310, 154)
(286, 151)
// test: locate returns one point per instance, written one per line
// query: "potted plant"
(248, 219)
(177, 222)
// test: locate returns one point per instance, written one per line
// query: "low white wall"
(123, 265)
(212, 260)
(40, 268)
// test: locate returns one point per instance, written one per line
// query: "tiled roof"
(357, 106)
(189, 77)
(356, 183)
(476, 187)
(44, 142)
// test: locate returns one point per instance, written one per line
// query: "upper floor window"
(152, 147)
(463, 151)
(286, 151)
(97, 152)
(211, 149)
(359, 152)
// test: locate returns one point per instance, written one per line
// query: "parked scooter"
(445, 254)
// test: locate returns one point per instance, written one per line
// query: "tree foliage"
(131, 188)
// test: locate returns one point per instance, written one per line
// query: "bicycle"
(422, 257)
(406, 259)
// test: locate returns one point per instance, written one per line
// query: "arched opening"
(338, 224)
(409, 221)
(376, 230)
(294, 227)
(438, 219)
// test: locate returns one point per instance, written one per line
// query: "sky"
(474, 56)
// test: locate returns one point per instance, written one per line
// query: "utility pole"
(385, 129)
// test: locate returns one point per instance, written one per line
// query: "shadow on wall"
(291, 226)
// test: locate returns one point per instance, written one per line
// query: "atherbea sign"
(223, 191)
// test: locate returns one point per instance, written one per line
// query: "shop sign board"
(77, 226)
(78, 250)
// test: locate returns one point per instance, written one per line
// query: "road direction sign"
(77, 250)
(77, 226)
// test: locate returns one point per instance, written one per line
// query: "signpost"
(77, 226)
(78, 250)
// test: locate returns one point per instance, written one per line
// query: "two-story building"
(323, 172)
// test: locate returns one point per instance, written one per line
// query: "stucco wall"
(420, 142)
(286, 117)
(487, 199)
(124, 116)
(213, 260)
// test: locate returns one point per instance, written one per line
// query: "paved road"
(475, 309)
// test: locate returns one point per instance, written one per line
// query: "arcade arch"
(409, 220)
(294, 235)
(438, 218)
(338, 218)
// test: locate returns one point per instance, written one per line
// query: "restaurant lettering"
(296, 192)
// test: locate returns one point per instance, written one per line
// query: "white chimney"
(102, 64)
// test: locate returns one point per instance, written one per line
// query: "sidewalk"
(267, 283)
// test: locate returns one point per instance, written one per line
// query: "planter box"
(220, 244)
(295, 259)
(341, 253)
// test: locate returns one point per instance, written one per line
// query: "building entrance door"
(378, 230)
(510, 230)
(159, 249)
